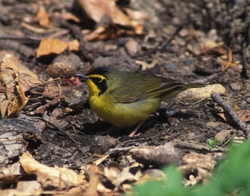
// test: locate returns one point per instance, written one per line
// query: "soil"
(72, 140)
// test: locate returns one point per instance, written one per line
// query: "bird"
(126, 98)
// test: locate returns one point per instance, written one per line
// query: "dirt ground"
(213, 38)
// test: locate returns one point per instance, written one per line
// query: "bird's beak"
(81, 76)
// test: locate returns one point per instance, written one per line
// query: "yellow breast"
(121, 114)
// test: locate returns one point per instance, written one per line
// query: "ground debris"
(42, 42)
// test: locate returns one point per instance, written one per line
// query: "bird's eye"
(97, 80)
(100, 80)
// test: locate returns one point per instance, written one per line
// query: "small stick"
(22, 38)
(246, 129)
(58, 129)
(78, 35)
(205, 80)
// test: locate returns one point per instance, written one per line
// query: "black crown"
(100, 70)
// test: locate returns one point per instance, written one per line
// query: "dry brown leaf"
(135, 14)
(102, 33)
(146, 177)
(146, 65)
(201, 165)
(225, 117)
(76, 191)
(50, 46)
(211, 47)
(29, 187)
(11, 72)
(42, 17)
(244, 115)
(118, 176)
(8, 69)
(224, 136)
(11, 68)
(16, 106)
(74, 45)
(94, 180)
(4, 107)
(56, 100)
(138, 28)
(70, 16)
(50, 91)
(10, 192)
(112, 31)
(50, 176)
(96, 9)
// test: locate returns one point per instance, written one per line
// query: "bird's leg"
(132, 134)
(110, 130)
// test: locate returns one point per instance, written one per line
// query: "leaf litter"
(63, 163)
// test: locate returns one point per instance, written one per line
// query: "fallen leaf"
(50, 176)
(199, 164)
(50, 46)
(96, 9)
(8, 70)
(29, 187)
(94, 180)
(74, 45)
(15, 97)
(50, 91)
(146, 65)
(223, 136)
(70, 16)
(244, 115)
(102, 33)
(56, 100)
(112, 21)
(135, 14)
(12, 68)
(4, 107)
(16, 106)
(117, 176)
(42, 17)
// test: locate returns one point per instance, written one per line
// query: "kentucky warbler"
(126, 98)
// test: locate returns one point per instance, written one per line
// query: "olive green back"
(127, 87)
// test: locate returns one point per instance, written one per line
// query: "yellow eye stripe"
(95, 84)
(97, 76)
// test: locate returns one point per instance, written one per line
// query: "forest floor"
(46, 118)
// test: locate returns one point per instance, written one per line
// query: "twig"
(22, 49)
(162, 46)
(59, 130)
(37, 30)
(205, 80)
(22, 38)
(78, 35)
(246, 129)
(197, 147)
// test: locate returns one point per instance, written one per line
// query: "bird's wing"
(139, 87)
